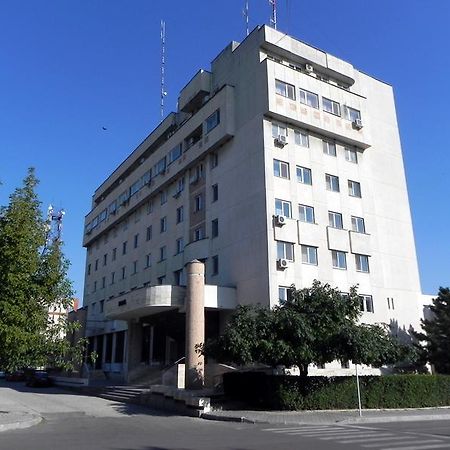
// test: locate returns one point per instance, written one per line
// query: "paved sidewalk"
(16, 420)
(330, 417)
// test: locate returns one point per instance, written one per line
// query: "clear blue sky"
(68, 68)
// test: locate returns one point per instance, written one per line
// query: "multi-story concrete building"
(282, 165)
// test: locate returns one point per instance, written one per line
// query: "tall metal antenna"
(163, 64)
(273, 18)
(245, 12)
(53, 226)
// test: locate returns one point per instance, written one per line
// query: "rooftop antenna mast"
(163, 64)
(273, 17)
(245, 12)
(53, 226)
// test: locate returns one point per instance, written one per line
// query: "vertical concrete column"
(134, 347)
(195, 324)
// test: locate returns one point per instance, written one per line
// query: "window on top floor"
(212, 121)
(331, 106)
(309, 98)
(285, 89)
(351, 114)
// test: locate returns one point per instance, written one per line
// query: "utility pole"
(245, 12)
(273, 17)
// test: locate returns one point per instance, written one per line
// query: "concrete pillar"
(133, 345)
(195, 324)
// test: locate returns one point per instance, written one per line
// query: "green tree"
(435, 341)
(315, 325)
(31, 281)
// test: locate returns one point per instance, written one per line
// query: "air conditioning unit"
(282, 263)
(280, 220)
(309, 68)
(281, 140)
(357, 123)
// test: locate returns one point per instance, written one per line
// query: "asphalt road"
(84, 423)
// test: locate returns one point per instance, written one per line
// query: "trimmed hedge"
(288, 392)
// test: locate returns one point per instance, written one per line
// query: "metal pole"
(359, 391)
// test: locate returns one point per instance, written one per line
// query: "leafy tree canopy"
(33, 279)
(435, 341)
(315, 325)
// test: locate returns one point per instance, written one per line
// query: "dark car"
(17, 375)
(39, 378)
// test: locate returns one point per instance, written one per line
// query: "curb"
(17, 421)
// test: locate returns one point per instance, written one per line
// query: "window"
(285, 89)
(146, 178)
(135, 268)
(135, 187)
(335, 220)
(103, 282)
(162, 253)
(215, 192)
(285, 250)
(306, 213)
(136, 240)
(283, 208)
(137, 215)
(198, 233)
(163, 224)
(148, 260)
(180, 214)
(149, 233)
(351, 114)
(278, 130)
(280, 169)
(96, 265)
(112, 208)
(198, 202)
(354, 188)
(329, 148)
(366, 303)
(351, 155)
(124, 248)
(358, 224)
(390, 302)
(215, 228)
(149, 206)
(160, 167)
(175, 153)
(304, 175)
(113, 277)
(215, 265)
(163, 197)
(114, 254)
(339, 259)
(179, 247)
(124, 272)
(214, 159)
(301, 138)
(89, 269)
(213, 120)
(331, 106)
(332, 182)
(284, 294)
(105, 259)
(309, 98)
(178, 277)
(309, 255)
(362, 263)
(179, 186)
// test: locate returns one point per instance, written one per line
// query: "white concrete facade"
(274, 125)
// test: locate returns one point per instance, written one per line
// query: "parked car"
(18, 375)
(39, 378)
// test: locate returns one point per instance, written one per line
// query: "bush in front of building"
(263, 391)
